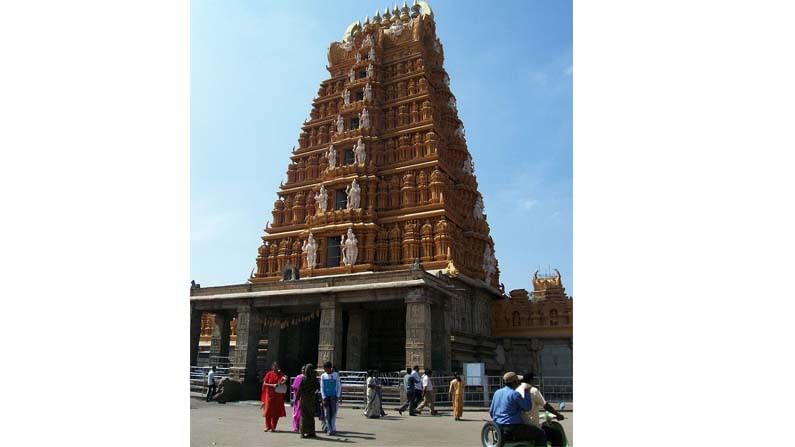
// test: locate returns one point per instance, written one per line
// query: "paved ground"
(241, 425)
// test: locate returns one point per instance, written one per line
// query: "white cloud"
(529, 203)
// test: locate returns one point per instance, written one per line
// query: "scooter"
(492, 435)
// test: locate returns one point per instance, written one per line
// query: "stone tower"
(381, 175)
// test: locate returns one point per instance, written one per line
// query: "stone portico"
(383, 320)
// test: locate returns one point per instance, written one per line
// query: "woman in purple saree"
(296, 402)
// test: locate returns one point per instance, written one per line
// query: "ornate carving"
(409, 150)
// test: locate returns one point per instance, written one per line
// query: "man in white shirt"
(417, 386)
(331, 391)
(210, 384)
(428, 396)
(539, 403)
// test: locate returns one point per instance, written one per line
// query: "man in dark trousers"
(411, 402)
(210, 384)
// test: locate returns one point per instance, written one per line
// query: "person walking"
(408, 385)
(457, 396)
(296, 403)
(274, 387)
(306, 397)
(331, 391)
(428, 397)
(417, 386)
(372, 409)
(210, 384)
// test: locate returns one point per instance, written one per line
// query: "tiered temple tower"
(381, 182)
(381, 176)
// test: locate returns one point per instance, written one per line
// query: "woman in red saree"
(272, 400)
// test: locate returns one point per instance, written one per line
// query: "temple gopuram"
(378, 254)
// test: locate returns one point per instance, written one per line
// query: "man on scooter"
(555, 437)
(506, 411)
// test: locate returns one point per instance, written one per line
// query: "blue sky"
(255, 67)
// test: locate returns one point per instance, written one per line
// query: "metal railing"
(354, 387)
(198, 377)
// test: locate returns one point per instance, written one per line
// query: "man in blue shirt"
(411, 403)
(330, 391)
(506, 411)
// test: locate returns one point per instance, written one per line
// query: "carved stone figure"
(460, 132)
(310, 249)
(359, 153)
(350, 248)
(370, 71)
(452, 104)
(358, 57)
(340, 124)
(365, 119)
(346, 96)
(322, 199)
(489, 263)
(396, 28)
(371, 54)
(368, 41)
(351, 75)
(368, 92)
(354, 195)
(331, 154)
(478, 209)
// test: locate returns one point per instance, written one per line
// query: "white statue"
(346, 97)
(358, 57)
(351, 75)
(322, 199)
(354, 195)
(460, 132)
(310, 248)
(478, 209)
(368, 92)
(370, 71)
(364, 119)
(371, 54)
(489, 263)
(368, 41)
(340, 124)
(350, 249)
(396, 28)
(332, 157)
(359, 154)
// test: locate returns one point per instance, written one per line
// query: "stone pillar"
(440, 318)
(354, 360)
(330, 344)
(219, 343)
(418, 329)
(244, 364)
(195, 333)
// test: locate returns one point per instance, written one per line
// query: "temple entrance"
(386, 341)
(298, 346)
